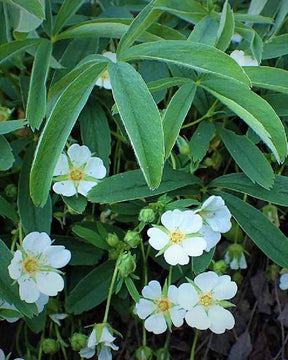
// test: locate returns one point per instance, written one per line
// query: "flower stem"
(192, 355)
(170, 275)
(110, 293)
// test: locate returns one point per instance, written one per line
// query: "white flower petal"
(95, 168)
(172, 219)
(65, 188)
(36, 242)
(57, 256)
(225, 289)
(197, 317)
(79, 155)
(107, 84)
(242, 262)
(41, 302)
(283, 282)
(105, 353)
(152, 290)
(62, 167)
(175, 254)
(219, 219)
(173, 294)
(15, 267)
(234, 264)
(191, 222)
(206, 281)
(145, 308)
(158, 238)
(87, 353)
(85, 186)
(194, 246)
(177, 315)
(212, 203)
(110, 55)
(212, 237)
(187, 296)
(156, 323)
(106, 336)
(92, 340)
(49, 283)
(99, 82)
(2, 355)
(28, 290)
(221, 319)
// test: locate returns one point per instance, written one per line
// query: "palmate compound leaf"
(141, 119)
(59, 125)
(254, 110)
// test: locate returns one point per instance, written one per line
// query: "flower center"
(76, 175)
(164, 305)
(30, 266)
(105, 75)
(176, 237)
(206, 300)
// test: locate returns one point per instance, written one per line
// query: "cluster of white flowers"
(100, 339)
(189, 233)
(2, 356)
(78, 172)
(201, 302)
(235, 257)
(35, 267)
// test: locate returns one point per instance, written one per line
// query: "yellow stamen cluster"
(176, 237)
(30, 266)
(76, 175)
(206, 300)
(164, 305)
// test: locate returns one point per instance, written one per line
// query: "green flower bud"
(144, 353)
(183, 146)
(163, 354)
(78, 341)
(50, 346)
(272, 272)
(220, 267)
(132, 238)
(112, 240)
(4, 113)
(147, 215)
(237, 277)
(271, 212)
(11, 191)
(126, 265)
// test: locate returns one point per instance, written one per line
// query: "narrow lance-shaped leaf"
(175, 114)
(7, 210)
(275, 47)
(11, 125)
(205, 31)
(200, 140)
(32, 6)
(6, 156)
(141, 119)
(57, 129)
(36, 102)
(12, 48)
(226, 28)
(254, 110)
(197, 56)
(68, 9)
(259, 228)
(247, 155)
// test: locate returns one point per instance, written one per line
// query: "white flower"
(235, 257)
(236, 38)
(78, 172)
(204, 302)
(2, 356)
(242, 59)
(101, 338)
(104, 80)
(57, 317)
(283, 281)
(35, 266)
(159, 309)
(13, 316)
(216, 220)
(179, 238)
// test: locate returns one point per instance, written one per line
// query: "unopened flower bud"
(147, 215)
(50, 346)
(144, 353)
(163, 354)
(112, 240)
(272, 272)
(235, 257)
(271, 212)
(126, 265)
(132, 238)
(238, 278)
(220, 267)
(4, 113)
(78, 341)
(11, 191)
(183, 146)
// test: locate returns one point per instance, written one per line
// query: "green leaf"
(6, 155)
(58, 127)
(11, 125)
(33, 218)
(132, 289)
(76, 203)
(200, 141)
(278, 194)
(166, 83)
(259, 228)
(92, 290)
(197, 56)
(201, 263)
(8, 291)
(254, 110)
(32, 6)
(131, 185)
(275, 47)
(141, 119)
(256, 19)
(7, 210)
(90, 236)
(175, 115)
(249, 158)
(266, 77)
(12, 48)
(67, 10)
(278, 103)
(36, 102)
(253, 39)
(226, 27)
(205, 31)
(95, 131)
